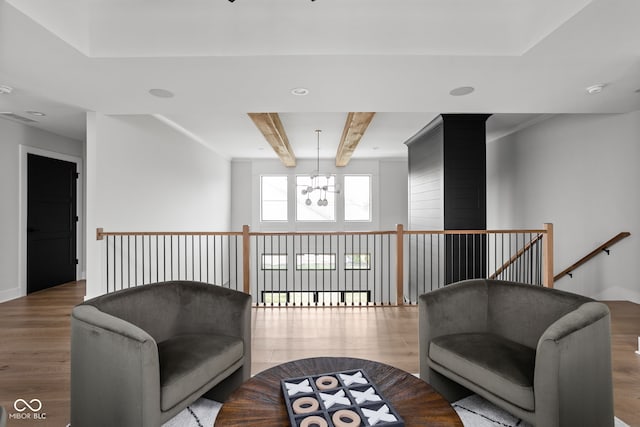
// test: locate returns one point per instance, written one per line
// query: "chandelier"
(319, 181)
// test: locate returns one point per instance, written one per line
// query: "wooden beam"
(271, 127)
(354, 128)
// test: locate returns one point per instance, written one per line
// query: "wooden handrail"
(100, 233)
(593, 253)
(448, 232)
(515, 256)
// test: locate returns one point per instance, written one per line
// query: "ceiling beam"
(354, 129)
(271, 127)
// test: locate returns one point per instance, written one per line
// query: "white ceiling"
(527, 59)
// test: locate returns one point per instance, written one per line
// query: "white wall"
(581, 173)
(12, 137)
(143, 175)
(389, 194)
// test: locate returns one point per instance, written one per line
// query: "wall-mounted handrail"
(603, 247)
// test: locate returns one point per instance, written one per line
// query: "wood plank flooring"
(34, 346)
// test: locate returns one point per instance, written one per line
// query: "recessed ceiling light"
(161, 93)
(300, 91)
(5, 90)
(592, 90)
(461, 91)
(36, 113)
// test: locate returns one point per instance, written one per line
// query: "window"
(315, 261)
(307, 207)
(274, 261)
(357, 198)
(274, 297)
(357, 261)
(356, 297)
(302, 298)
(273, 198)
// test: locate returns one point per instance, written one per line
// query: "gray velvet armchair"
(141, 355)
(542, 354)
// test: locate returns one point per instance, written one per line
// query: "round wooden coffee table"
(259, 401)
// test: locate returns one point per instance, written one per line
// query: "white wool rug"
(201, 413)
(474, 411)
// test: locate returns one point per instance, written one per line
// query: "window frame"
(344, 198)
(332, 261)
(286, 177)
(279, 256)
(353, 266)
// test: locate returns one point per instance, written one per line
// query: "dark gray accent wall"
(465, 183)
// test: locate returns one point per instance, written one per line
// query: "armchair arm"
(457, 308)
(109, 353)
(572, 379)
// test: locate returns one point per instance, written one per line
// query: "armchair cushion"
(503, 367)
(188, 362)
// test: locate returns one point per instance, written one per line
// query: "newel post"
(399, 264)
(246, 250)
(547, 256)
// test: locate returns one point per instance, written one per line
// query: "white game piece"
(382, 414)
(303, 387)
(331, 399)
(369, 395)
(356, 378)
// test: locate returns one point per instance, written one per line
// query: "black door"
(51, 222)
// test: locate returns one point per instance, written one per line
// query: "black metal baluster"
(135, 260)
(257, 266)
(286, 270)
(107, 262)
(229, 259)
(215, 257)
(279, 271)
(344, 269)
(438, 251)
(164, 257)
(150, 258)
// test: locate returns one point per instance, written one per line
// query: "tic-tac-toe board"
(337, 399)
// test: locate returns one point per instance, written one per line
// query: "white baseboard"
(618, 293)
(10, 294)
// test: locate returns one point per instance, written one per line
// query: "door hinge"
(77, 175)
(76, 262)
(76, 218)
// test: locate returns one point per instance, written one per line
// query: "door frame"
(24, 151)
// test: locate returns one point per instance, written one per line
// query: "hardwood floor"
(34, 349)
